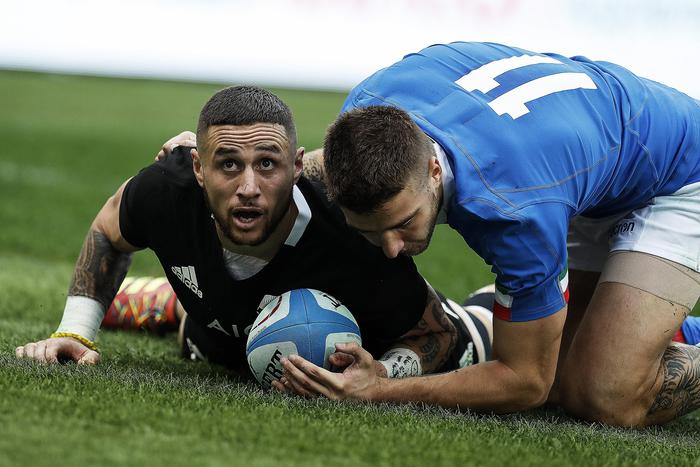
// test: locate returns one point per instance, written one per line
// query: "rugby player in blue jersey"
(572, 179)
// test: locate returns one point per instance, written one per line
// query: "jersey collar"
(302, 220)
(448, 183)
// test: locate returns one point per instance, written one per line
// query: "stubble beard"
(226, 225)
(422, 245)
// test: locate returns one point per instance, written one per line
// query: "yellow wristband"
(86, 342)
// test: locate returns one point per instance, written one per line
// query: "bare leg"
(621, 367)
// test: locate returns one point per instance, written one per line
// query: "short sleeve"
(133, 210)
(527, 252)
(148, 200)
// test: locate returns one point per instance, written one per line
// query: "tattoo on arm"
(313, 167)
(448, 327)
(433, 344)
(100, 269)
(680, 390)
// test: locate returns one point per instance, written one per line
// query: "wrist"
(82, 316)
(86, 342)
(380, 369)
(401, 362)
(374, 392)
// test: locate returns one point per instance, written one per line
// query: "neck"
(269, 248)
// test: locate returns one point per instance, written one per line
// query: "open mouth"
(247, 216)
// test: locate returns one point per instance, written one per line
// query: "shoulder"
(165, 178)
(315, 193)
(159, 197)
(175, 169)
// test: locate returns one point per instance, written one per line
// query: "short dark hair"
(245, 105)
(369, 156)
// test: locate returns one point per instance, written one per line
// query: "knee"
(597, 398)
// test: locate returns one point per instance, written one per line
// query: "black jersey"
(164, 209)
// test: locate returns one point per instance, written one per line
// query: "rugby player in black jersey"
(233, 223)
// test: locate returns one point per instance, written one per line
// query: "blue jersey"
(533, 140)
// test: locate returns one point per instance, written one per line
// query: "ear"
(197, 167)
(434, 169)
(298, 163)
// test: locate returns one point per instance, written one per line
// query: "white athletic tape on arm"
(82, 316)
(401, 363)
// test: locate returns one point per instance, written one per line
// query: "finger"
(361, 356)
(279, 387)
(297, 387)
(189, 137)
(19, 352)
(29, 350)
(351, 348)
(315, 372)
(40, 352)
(311, 377)
(90, 358)
(297, 382)
(340, 359)
(52, 353)
(160, 155)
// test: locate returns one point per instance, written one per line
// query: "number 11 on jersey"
(513, 102)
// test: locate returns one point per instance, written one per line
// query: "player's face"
(405, 223)
(248, 173)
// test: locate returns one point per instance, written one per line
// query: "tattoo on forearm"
(99, 270)
(434, 347)
(313, 168)
(441, 318)
(430, 349)
(680, 390)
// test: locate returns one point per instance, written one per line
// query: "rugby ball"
(304, 322)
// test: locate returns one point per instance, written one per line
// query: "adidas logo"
(188, 277)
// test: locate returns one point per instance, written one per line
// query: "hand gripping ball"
(304, 322)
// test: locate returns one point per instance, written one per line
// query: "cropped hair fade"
(245, 105)
(370, 155)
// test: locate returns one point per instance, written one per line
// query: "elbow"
(531, 393)
(534, 396)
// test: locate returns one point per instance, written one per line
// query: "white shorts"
(668, 226)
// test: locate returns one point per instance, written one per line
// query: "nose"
(248, 185)
(392, 244)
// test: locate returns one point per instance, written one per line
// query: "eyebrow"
(401, 223)
(225, 151)
(269, 148)
(273, 148)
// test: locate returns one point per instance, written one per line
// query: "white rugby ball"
(304, 322)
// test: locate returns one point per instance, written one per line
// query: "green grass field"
(67, 144)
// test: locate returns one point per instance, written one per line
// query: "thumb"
(89, 358)
(76, 351)
(352, 348)
(340, 360)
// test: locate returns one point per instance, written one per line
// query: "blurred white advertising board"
(334, 44)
